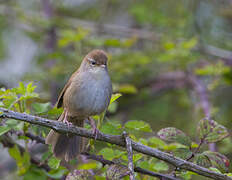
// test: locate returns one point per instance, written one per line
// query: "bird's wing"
(61, 96)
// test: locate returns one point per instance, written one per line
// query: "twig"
(114, 139)
(202, 93)
(8, 142)
(136, 169)
(129, 155)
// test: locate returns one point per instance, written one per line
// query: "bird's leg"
(66, 119)
(94, 128)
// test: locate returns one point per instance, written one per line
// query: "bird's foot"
(95, 131)
(66, 120)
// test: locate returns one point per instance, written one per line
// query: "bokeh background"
(171, 60)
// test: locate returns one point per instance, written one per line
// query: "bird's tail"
(66, 146)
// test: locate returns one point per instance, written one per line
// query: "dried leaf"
(172, 134)
(210, 131)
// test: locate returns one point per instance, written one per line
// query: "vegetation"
(170, 63)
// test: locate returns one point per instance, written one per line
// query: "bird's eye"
(93, 62)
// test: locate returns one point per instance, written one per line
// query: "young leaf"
(89, 165)
(156, 142)
(40, 107)
(56, 173)
(115, 97)
(23, 161)
(218, 160)
(128, 89)
(35, 173)
(4, 129)
(172, 134)
(210, 131)
(54, 162)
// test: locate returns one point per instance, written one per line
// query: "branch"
(136, 169)
(113, 139)
(130, 155)
(98, 158)
(202, 93)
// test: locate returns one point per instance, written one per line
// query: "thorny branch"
(114, 139)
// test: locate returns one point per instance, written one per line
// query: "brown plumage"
(86, 93)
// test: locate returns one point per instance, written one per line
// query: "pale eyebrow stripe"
(90, 59)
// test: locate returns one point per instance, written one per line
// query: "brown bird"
(87, 93)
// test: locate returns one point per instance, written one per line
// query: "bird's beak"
(103, 65)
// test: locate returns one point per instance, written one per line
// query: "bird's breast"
(91, 96)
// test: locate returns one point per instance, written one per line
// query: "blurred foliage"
(173, 37)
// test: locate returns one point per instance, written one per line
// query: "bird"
(87, 93)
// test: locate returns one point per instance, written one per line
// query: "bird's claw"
(96, 132)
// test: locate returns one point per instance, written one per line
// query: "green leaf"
(23, 161)
(214, 169)
(189, 44)
(186, 175)
(55, 111)
(218, 160)
(137, 157)
(56, 173)
(112, 42)
(228, 174)
(156, 142)
(113, 107)
(89, 165)
(172, 134)
(213, 69)
(14, 124)
(4, 129)
(107, 153)
(182, 153)
(111, 154)
(15, 153)
(144, 164)
(202, 160)
(160, 166)
(138, 125)
(40, 107)
(54, 162)
(141, 140)
(210, 131)
(127, 89)
(34, 173)
(111, 127)
(115, 97)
